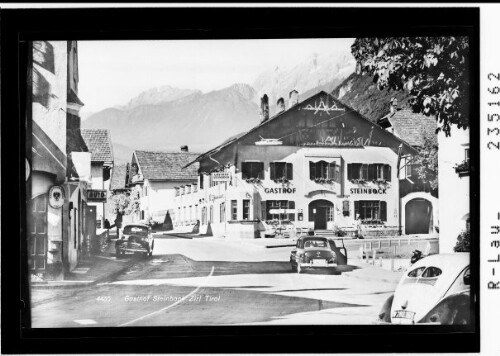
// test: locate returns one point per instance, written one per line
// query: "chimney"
(394, 105)
(264, 108)
(281, 104)
(294, 97)
(184, 148)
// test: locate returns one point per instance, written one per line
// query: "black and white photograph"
(237, 182)
(254, 179)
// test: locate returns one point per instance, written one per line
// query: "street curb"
(76, 284)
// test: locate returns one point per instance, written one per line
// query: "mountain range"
(165, 118)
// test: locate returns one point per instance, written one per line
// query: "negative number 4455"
(494, 117)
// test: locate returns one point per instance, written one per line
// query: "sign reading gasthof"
(97, 195)
(221, 177)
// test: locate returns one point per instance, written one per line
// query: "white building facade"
(322, 167)
(454, 187)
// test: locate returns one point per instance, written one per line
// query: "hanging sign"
(221, 177)
(56, 197)
(97, 195)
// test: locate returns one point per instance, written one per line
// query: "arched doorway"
(418, 216)
(320, 211)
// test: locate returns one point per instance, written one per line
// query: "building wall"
(453, 190)
(50, 89)
(158, 197)
(301, 189)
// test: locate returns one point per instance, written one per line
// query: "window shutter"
(260, 166)
(289, 171)
(337, 174)
(272, 168)
(387, 172)
(383, 211)
(331, 170)
(312, 170)
(349, 172)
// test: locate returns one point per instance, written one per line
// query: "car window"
(431, 272)
(467, 277)
(135, 230)
(416, 272)
(315, 243)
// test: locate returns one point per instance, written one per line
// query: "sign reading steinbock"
(221, 177)
(97, 195)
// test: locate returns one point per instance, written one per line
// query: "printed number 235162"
(494, 117)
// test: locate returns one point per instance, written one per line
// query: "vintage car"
(316, 252)
(136, 238)
(435, 290)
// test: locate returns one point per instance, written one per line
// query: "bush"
(463, 242)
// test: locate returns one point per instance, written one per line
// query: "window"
(201, 180)
(467, 156)
(345, 207)
(196, 215)
(324, 170)
(416, 272)
(234, 210)
(222, 212)
(431, 272)
(371, 209)
(246, 209)
(252, 170)
(281, 170)
(142, 214)
(190, 212)
(375, 171)
(211, 214)
(279, 205)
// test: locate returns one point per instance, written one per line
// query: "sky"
(113, 72)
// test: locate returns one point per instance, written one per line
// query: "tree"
(426, 162)
(463, 242)
(433, 70)
(125, 203)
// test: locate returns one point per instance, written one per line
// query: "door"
(38, 234)
(320, 211)
(418, 217)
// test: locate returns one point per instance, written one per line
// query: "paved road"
(215, 282)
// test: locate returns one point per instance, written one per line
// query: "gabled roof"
(99, 143)
(277, 116)
(411, 127)
(157, 165)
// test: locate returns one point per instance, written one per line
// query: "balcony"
(463, 169)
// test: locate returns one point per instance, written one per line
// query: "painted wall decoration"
(322, 107)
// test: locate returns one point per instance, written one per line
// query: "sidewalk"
(93, 270)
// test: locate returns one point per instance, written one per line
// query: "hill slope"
(360, 93)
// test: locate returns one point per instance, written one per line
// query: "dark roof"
(236, 138)
(411, 127)
(99, 143)
(118, 177)
(157, 165)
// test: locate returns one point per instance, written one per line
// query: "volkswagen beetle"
(435, 290)
(135, 238)
(315, 252)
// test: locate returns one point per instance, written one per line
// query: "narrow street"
(216, 282)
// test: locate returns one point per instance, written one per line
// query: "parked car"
(135, 238)
(315, 252)
(435, 290)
